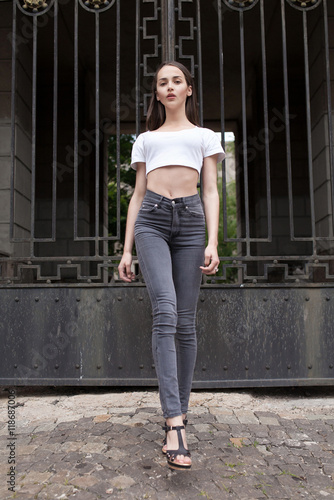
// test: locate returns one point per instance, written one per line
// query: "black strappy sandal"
(164, 441)
(172, 454)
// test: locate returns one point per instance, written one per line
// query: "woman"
(167, 223)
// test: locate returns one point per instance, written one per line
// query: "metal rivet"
(29, 262)
(36, 299)
(289, 367)
(35, 366)
(119, 298)
(330, 366)
(224, 299)
(307, 299)
(8, 282)
(254, 281)
(68, 262)
(140, 298)
(89, 280)
(141, 366)
(77, 366)
(57, 299)
(15, 366)
(153, 367)
(202, 299)
(204, 368)
(225, 368)
(297, 280)
(78, 299)
(267, 367)
(98, 367)
(310, 367)
(48, 282)
(316, 261)
(265, 299)
(275, 261)
(286, 299)
(56, 367)
(246, 368)
(328, 298)
(120, 367)
(17, 299)
(98, 299)
(234, 262)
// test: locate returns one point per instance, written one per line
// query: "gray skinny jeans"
(170, 243)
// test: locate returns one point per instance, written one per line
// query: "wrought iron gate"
(79, 88)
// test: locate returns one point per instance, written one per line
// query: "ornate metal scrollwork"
(304, 4)
(96, 6)
(34, 7)
(240, 5)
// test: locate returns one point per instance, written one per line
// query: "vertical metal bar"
(309, 128)
(287, 122)
(97, 129)
(55, 120)
(76, 119)
(118, 122)
(222, 112)
(199, 56)
(138, 31)
(13, 125)
(244, 128)
(329, 102)
(33, 139)
(168, 29)
(266, 120)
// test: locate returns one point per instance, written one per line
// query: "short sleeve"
(138, 152)
(212, 146)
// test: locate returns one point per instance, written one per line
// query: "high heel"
(172, 454)
(164, 441)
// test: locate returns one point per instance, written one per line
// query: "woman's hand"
(211, 260)
(124, 268)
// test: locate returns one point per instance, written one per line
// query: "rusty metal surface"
(101, 336)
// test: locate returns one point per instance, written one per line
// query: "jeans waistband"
(184, 200)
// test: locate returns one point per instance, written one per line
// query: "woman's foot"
(164, 441)
(178, 456)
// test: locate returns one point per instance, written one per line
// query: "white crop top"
(185, 147)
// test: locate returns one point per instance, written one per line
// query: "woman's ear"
(190, 91)
(157, 98)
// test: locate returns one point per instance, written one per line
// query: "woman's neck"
(176, 119)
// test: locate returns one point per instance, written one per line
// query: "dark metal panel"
(92, 336)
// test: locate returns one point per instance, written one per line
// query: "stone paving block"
(247, 417)
(81, 495)
(270, 421)
(55, 491)
(227, 419)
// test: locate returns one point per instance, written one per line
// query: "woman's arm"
(210, 199)
(124, 268)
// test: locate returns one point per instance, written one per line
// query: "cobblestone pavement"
(92, 443)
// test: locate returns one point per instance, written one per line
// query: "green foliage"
(127, 182)
(228, 248)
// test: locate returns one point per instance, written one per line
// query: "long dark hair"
(156, 114)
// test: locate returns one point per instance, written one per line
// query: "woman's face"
(172, 88)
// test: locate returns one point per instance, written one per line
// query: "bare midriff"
(173, 181)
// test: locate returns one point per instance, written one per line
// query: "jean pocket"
(148, 206)
(195, 210)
